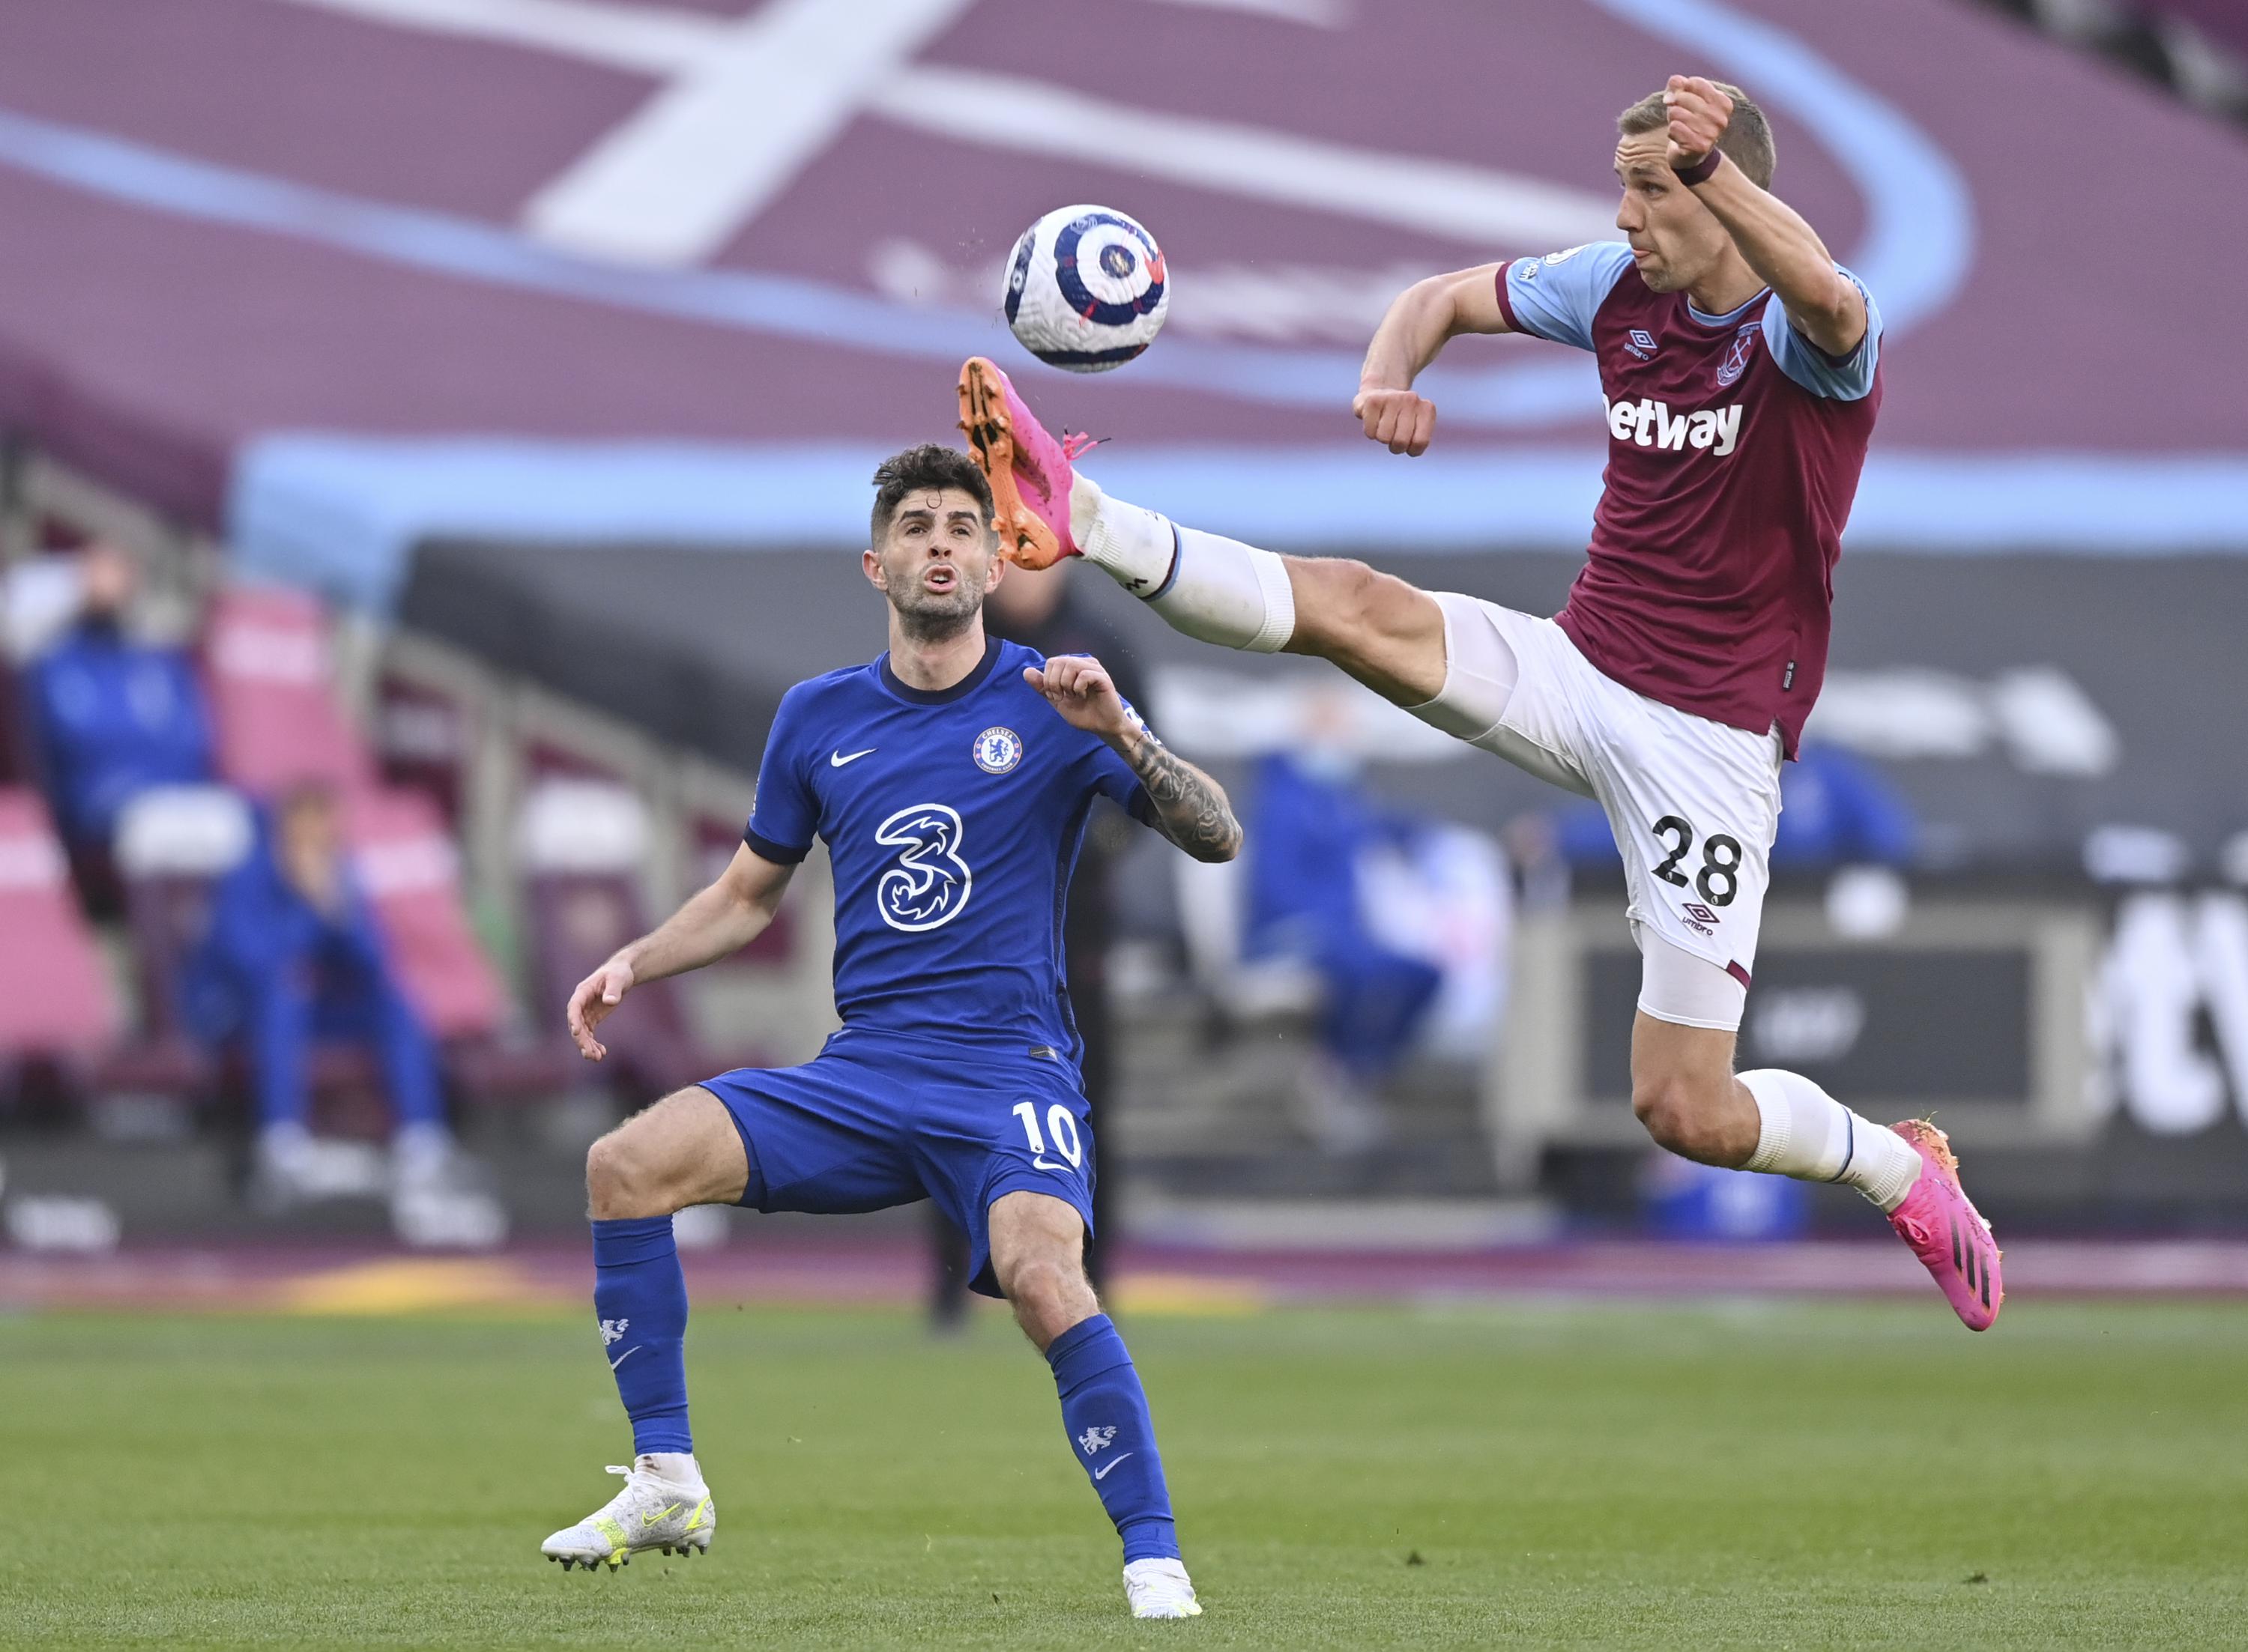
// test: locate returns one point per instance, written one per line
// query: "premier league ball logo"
(998, 750)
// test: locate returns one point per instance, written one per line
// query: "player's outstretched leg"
(1037, 1246)
(1229, 593)
(1382, 631)
(684, 1150)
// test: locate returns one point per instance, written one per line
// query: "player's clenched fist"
(1699, 113)
(1078, 686)
(1400, 420)
(597, 995)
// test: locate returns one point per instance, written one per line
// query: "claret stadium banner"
(471, 304)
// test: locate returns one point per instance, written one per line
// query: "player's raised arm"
(1191, 809)
(1824, 304)
(1420, 322)
(714, 923)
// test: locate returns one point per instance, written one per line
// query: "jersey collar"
(1701, 317)
(961, 689)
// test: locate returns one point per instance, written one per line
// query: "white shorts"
(1694, 804)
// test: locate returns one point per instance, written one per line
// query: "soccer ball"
(1086, 290)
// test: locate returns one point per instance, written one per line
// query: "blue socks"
(639, 1296)
(1106, 1412)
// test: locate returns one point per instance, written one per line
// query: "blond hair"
(1748, 134)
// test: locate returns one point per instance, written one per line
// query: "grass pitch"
(1619, 1476)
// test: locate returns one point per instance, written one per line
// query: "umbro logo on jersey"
(1649, 423)
(1641, 344)
(1094, 1438)
(1696, 910)
(837, 759)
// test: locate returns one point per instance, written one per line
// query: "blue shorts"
(882, 1119)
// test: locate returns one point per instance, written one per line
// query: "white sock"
(1216, 589)
(679, 1468)
(1806, 1133)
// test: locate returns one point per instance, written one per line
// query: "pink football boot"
(1030, 472)
(1946, 1232)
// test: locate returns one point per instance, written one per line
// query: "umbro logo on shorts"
(1701, 914)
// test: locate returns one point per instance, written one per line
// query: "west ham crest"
(1736, 354)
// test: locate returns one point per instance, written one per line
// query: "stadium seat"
(581, 843)
(410, 869)
(56, 1001)
(172, 843)
(276, 720)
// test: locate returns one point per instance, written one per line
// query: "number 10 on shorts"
(1063, 1125)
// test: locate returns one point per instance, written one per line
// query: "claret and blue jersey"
(1734, 449)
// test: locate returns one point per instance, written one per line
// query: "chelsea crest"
(998, 749)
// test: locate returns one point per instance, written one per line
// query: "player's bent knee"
(1049, 1293)
(630, 1173)
(619, 1182)
(1678, 1114)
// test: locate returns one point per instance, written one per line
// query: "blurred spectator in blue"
(293, 959)
(1836, 809)
(1311, 824)
(113, 717)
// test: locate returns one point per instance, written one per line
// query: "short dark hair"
(927, 467)
(1748, 134)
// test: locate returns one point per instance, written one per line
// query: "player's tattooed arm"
(1191, 809)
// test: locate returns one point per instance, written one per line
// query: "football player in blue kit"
(950, 780)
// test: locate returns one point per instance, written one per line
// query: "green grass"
(1778, 1476)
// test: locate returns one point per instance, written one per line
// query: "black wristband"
(1693, 172)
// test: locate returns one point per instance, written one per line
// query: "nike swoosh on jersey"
(1102, 1473)
(837, 759)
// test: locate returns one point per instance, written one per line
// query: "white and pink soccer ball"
(1087, 289)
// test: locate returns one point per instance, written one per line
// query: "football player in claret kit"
(950, 780)
(1739, 365)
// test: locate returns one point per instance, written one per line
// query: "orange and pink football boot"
(1947, 1233)
(1029, 470)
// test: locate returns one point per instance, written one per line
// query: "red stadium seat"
(410, 869)
(580, 846)
(55, 998)
(277, 724)
(412, 874)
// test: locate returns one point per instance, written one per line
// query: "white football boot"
(655, 1510)
(1159, 1589)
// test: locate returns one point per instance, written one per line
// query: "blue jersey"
(952, 818)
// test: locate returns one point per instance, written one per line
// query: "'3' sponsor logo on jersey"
(930, 884)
